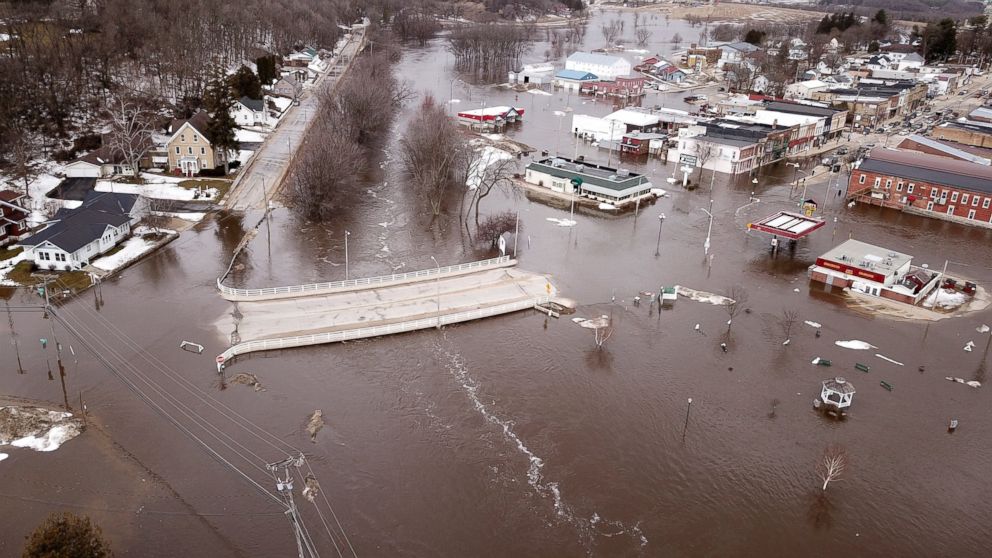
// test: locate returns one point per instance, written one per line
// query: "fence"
(232, 293)
(375, 331)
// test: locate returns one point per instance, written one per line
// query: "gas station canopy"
(787, 224)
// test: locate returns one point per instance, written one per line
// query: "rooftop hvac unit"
(623, 173)
(580, 168)
(613, 177)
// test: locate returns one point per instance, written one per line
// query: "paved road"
(264, 173)
(317, 314)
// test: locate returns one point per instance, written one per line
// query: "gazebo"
(837, 393)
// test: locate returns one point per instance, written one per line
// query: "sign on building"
(688, 160)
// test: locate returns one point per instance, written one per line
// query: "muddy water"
(515, 436)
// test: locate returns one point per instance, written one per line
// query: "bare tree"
(493, 226)
(130, 132)
(430, 153)
(704, 152)
(611, 31)
(738, 301)
(24, 167)
(787, 322)
(323, 174)
(831, 465)
(677, 39)
(642, 34)
(488, 173)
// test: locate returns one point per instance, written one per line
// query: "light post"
(752, 200)
(686, 425)
(657, 246)
(346, 235)
(709, 230)
(795, 179)
(438, 282)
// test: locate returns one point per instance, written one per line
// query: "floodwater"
(516, 436)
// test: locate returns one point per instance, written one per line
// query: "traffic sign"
(688, 159)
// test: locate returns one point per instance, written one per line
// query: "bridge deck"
(316, 316)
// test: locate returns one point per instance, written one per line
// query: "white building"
(249, 112)
(613, 126)
(74, 237)
(537, 74)
(805, 89)
(605, 67)
(722, 154)
(587, 180)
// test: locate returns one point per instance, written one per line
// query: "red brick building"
(925, 184)
(12, 216)
(631, 86)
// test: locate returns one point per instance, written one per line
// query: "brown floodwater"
(516, 436)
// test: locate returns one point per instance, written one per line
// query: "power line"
(138, 511)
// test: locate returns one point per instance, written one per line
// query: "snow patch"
(185, 216)
(488, 156)
(132, 249)
(160, 189)
(562, 222)
(855, 344)
(539, 92)
(607, 206)
(249, 136)
(36, 428)
(3, 456)
(948, 299)
(883, 357)
(813, 324)
(703, 296)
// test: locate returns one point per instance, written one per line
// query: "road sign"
(220, 359)
(688, 159)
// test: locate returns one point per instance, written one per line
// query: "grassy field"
(73, 280)
(7, 253)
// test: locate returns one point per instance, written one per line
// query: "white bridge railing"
(228, 292)
(375, 331)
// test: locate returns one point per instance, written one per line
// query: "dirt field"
(733, 12)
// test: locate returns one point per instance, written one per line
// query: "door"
(971, 213)
(950, 210)
(930, 206)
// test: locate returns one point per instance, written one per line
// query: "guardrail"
(348, 284)
(374, 331)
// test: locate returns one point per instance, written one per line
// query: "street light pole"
(438, 282)
(657, 246)
(709, 230)
(346, 235)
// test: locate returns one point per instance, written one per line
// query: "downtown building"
(925, 184)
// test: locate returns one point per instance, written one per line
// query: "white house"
(99, 163)
(911, 61)
(602, 65)
(614, 125)
(537, 74)
(735, 53)
(805, 89)
(74, 237)
(723, 154)
(249, 112)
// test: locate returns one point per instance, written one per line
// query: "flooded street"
(516, 435)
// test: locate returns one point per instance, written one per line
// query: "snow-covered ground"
(37, 429)
(282, 103)
(249, 136)
(7, 265)
(133, 248)
(945, 298)
(185, 216)
(163, 190)
(488, 155)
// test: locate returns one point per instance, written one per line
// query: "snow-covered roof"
(633, 117)
(576, 75)
(594, 58)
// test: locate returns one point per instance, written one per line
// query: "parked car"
(842, 151)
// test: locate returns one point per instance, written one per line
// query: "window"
(190, 149)
(194, 138)
(878, 182)
(203, 151)
(177, 150)
(950, 210)
(974, 201)
(909, 189)
(182, 138)
(964, 199)
(899, 187)
(861, 179)
(888, 184)
(971, 213)
(985, 204)
(954, 197)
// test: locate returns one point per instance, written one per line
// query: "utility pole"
(657, 246)
(438, 282)
(346, 235)
(58, 346)
(13, 338)
(686, 425)
(284, 485)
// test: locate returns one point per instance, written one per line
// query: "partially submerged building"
(874, 271)
(589, 180)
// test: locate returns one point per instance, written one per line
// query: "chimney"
(775, 124)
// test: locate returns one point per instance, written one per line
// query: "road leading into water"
(264, 173)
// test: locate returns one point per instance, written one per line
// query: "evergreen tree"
(266, 69)
(941, 39)
(824, 26)
(244, 83)
(873, 47)
(66, 535)
(754, 37)
(881, 18)
(220, 128)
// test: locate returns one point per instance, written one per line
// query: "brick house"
(925, 184)
(13, 216)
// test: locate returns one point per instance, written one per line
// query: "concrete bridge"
(312, 314)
